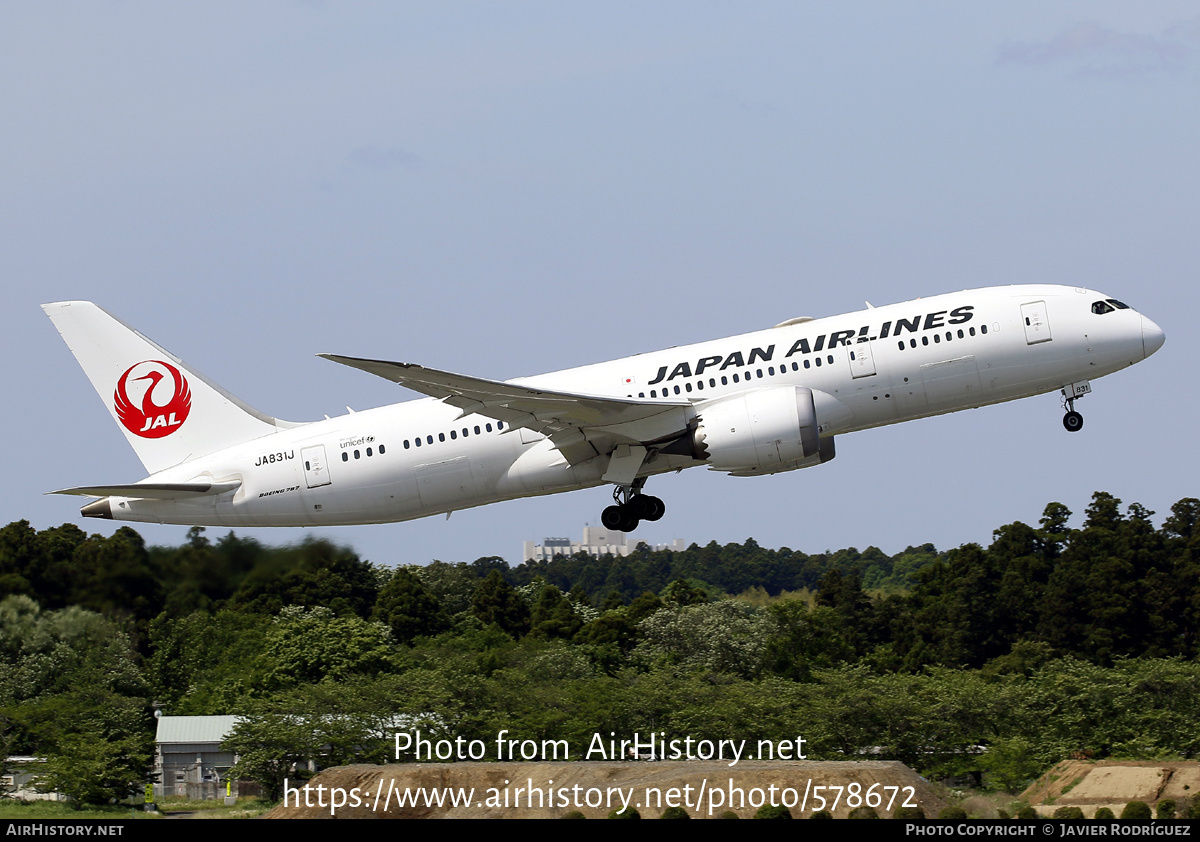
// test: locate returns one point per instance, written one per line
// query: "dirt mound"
(551, 790)
(1112, 784)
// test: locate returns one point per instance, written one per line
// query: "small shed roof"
(194, 729)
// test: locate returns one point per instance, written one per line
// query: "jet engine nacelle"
(761, 432)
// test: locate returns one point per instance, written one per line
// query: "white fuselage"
(866, 369)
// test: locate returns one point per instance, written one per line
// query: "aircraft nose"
(1152, 337)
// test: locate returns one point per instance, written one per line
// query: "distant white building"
(597, 541)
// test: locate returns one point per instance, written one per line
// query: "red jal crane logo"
(152, 419)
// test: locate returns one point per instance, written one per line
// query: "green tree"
(313, 574)
(1092, 606)
(206, 663)
(495, 601)
(119, 579)
(682, 593)
(553, 616)
(310, 645)
(951, 612)
(408, 608)
(94, 768)
(807, 639)
(450, 584)
(643, 607)
(272, 749)
(1010, 763)
(726, 636)
(40, 564)
(70, 691)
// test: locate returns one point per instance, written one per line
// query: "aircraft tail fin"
(169, 412)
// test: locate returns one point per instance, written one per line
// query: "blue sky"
(503, 189)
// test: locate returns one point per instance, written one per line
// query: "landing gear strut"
(631, 507)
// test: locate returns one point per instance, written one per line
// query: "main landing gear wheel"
(647, 507)
(1073, 421)
(619, 518)
(631, 508)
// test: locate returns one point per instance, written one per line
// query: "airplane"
(758, 403)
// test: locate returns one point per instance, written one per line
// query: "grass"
(12, 809)
(244, 809)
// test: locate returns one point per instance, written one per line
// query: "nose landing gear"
(631, 507)
(1073, 421)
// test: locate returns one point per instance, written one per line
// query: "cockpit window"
(1117, 304)
(1101, 307)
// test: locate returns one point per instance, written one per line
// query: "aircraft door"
(862, 359)
(1037, 325)
(316, 471)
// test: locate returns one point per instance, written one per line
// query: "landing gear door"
(1037, 325)
(316, 471)
(862, 360)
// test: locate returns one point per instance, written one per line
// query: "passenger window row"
(358, 453)
(454, 434)
(937, 337)
(428, 440)
(736, 378)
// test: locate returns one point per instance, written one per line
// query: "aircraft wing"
(580, 425)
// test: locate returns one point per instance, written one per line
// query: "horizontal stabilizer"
(154, 490)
